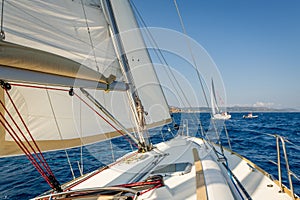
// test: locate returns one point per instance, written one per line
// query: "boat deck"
(185, 168)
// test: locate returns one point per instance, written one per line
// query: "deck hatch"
(183, 168)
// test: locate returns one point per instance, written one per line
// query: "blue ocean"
(249, 137)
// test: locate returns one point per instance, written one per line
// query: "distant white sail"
(216, 113)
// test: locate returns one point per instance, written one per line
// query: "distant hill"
(260, 109)
(233, 109)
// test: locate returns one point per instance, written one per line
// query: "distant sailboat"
(59, 90)
(216, 113)
(250, 116)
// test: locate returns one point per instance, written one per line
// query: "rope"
(156, 181)
(59, 89)
(23, 147)
(100, 170)
(42, 159)
(2, 14)
(38, 87)
(2, 34)
(50, 179)
(41, 166)
(120, 132)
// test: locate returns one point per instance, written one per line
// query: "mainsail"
(74, 36)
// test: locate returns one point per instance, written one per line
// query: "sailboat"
(72, 74)
(216, 113)
(250, 116)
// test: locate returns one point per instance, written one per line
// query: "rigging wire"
(90, 37)
(59, 132)
(191, 52)
(161, 57)
(163, 60)
(199, 78)
(198, 74)
(81, 147)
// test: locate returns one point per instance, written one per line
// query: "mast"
(136, 103)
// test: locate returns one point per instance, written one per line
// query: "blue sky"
(255, 44)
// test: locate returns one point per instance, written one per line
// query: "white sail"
(55, 119)
(44, 25)
(216, 113)
(214, 106)
(140, 64)
(213, 109)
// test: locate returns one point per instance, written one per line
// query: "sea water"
(248, 137)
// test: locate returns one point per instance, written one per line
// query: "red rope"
(42, 159)
(38, 87)
(59, 89)
(130, 185)
(106, 120)
(100, 170)
(45, 171)
(40, 156)
(23, 148)
(153, 188)
(156, 184)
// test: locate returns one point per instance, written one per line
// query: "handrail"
(185, 127)
(280, 138)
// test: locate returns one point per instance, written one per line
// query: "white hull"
(250, 117)
(221, 116)
(185, 180)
